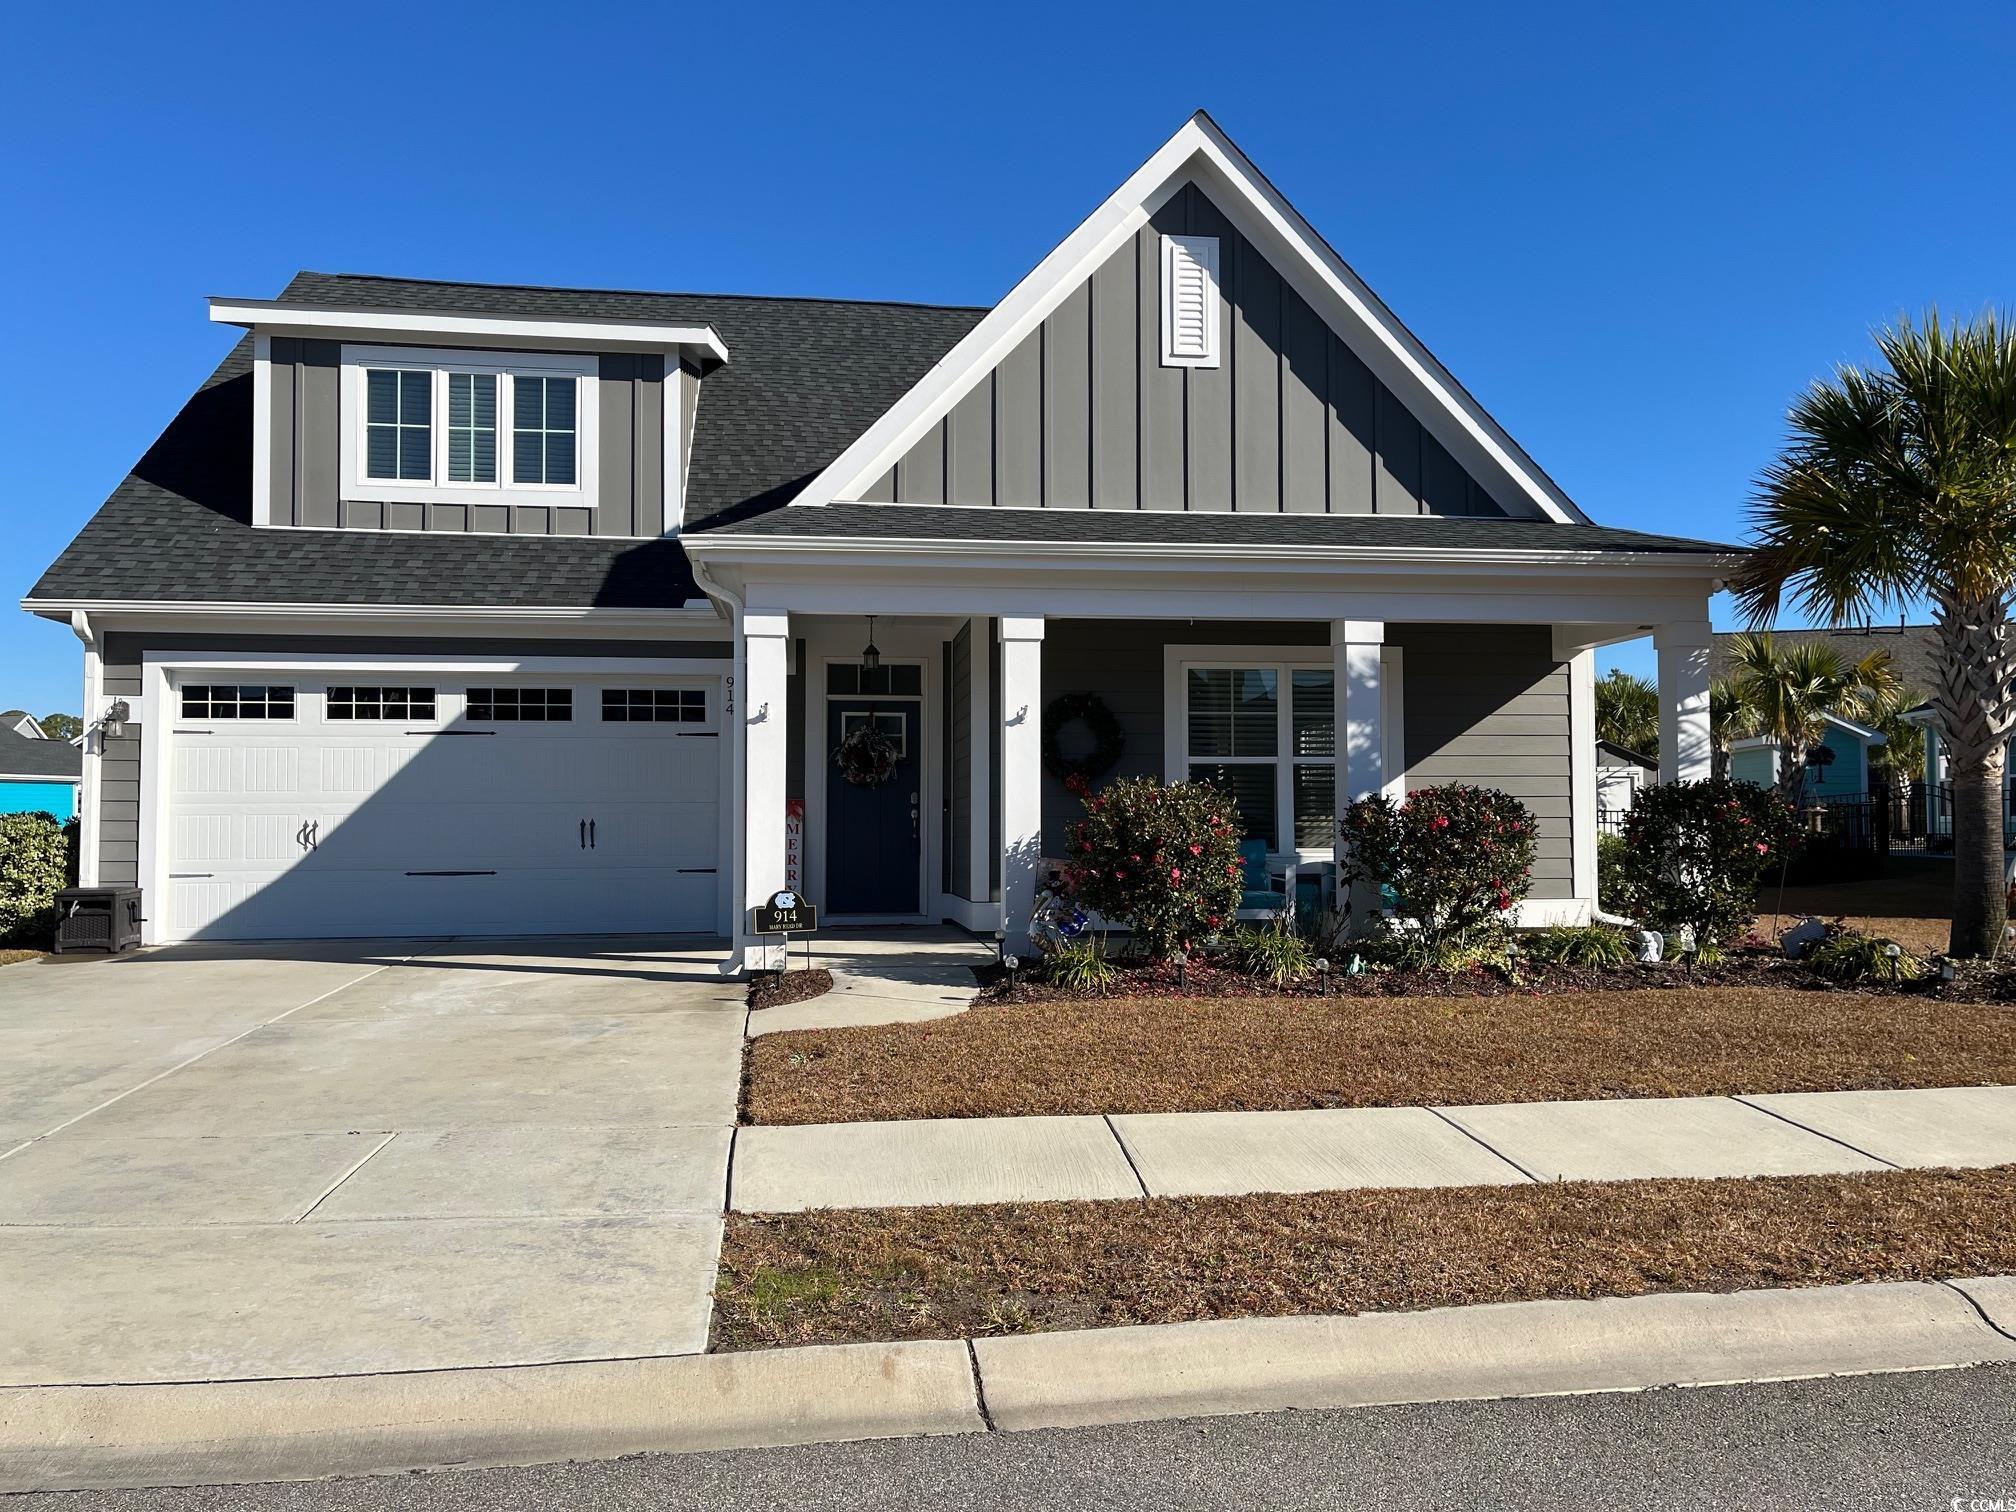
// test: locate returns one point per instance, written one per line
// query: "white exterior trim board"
(600, 333)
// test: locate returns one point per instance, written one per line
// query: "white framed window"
(1265, 731)
(514, 705)
(354, 701)
(1190, 301)
(236, 701)
(464, 427)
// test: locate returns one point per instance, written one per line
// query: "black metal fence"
(1930, 814)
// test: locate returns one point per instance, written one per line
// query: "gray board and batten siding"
(306, 464)
(1082, 413)
(1483, 705)
(120, 677)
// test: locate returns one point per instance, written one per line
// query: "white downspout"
(729, 600)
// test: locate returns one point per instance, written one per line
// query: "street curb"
(73, 1438)
(108, 1437)
(1498, 1350)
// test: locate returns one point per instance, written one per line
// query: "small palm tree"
(1898, 483)
(1787, 691)
(1730, 719)
(1903, 750)
(1627, 712)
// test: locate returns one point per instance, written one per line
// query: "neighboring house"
(1913, 649)
(461, 609)
(1756, 759)
(37, 775)
(1620, 773)
(21, 722)
(1938, 782)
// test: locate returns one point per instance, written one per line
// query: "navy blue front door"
(873, 834)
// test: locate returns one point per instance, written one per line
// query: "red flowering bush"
(1695, 852)
(1164, 861)
(1454, 859)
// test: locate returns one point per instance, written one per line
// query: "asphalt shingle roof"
(924, 522)
(22, 757)
(804, 378)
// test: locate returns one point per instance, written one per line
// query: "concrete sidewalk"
(926, 1162)
(906, 977)
(58, 1438)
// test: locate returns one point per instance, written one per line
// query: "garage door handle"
(584, 834)
(591, 834)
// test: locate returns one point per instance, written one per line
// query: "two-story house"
(471, 609)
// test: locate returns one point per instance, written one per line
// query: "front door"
(874, 835)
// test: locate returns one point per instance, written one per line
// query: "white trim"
(1582, 800)
(89, 775)
(1038, 553)
(262, 430)
(542, 333)
(1178, 658)
(696, 618)
(438, 362)
(326, 662)
(1393, 721)
(672, 465)
(55, 777)
(1200, 151)
(1200, 253)
(979, 882)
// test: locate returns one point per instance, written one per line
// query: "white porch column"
(766, 661)
(978, 884)
(1356, 648)
(1685, 753)
(1021, 773)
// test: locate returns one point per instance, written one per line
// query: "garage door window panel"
(362, 702)
(521, 705)
(260, 701)
(654, 705)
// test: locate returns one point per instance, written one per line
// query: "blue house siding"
(58, 798)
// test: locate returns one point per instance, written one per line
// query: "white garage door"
(404, 804)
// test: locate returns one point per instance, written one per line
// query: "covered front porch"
(1295, 713)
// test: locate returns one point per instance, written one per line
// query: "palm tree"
(1729, 720)
(1627, 712)
(1898, 483)
(1903, 750)
(1786, 692)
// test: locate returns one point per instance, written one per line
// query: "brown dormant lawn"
(913, 1273)
(1142, 1055)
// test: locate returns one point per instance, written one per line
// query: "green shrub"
(1588, 945)
(1163, 860)
(1695, 853)
(1613, 887)
(37, 859)
(1275, 953)
(1455, 860)
(1851, 957)
(1079, 963)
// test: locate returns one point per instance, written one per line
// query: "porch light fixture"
(113, 725)
(871, 659)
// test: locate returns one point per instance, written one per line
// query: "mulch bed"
(1157, 1055)
(834, 1276)
(774, 989)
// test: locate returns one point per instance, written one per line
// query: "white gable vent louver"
(1190, 301)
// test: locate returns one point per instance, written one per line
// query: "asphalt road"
(1914, 1441)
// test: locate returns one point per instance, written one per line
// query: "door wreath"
(866, 757)
(1108, 739)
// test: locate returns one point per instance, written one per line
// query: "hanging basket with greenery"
(1108, 740)
(866, 757)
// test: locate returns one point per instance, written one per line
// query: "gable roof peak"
(1200, 152)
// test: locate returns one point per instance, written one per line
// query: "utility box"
(97, 918)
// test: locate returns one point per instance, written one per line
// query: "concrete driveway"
(235, 1162)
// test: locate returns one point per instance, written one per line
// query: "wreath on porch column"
(866, 757)
(1108, 739)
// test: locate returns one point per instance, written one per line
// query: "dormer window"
(468, 427)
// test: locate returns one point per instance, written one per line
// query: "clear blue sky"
(1635, 232)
